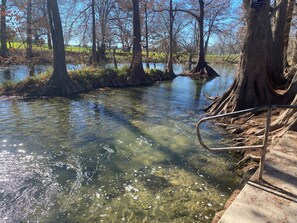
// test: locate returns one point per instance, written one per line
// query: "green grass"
(20, 45)
(233, 58)
(77, 49)
(154, 57)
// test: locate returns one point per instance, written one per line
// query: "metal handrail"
(264, 146)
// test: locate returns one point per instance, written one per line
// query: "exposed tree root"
(56, 87)
(138, 77)
(247, 157)
(203, 70)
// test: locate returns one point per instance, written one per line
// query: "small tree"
(202, 69)
(59, 83)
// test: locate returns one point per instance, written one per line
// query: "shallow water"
(121, 155)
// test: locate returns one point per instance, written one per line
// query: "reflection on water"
(20, 72)
(124, 155)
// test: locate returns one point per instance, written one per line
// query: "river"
(119, 155)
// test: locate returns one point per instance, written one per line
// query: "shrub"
(124, 71)
(7, 86)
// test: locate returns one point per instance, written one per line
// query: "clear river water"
(119, 155)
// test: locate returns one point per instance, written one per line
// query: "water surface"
(119, 155)
(20, 72)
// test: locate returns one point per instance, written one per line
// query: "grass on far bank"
(224, 58)
(122, 56)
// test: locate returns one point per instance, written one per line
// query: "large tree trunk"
(169, 67)
(3, 50)
(59, 84)
(137, 76)
(251, 87)
(276, 77)
(29, 52)
(202, 69)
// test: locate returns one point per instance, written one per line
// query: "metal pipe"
(265, 143)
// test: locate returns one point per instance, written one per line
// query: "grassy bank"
(89, 78)
(82, 55)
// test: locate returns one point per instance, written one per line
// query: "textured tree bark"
(272, 67)
(3, 50)
(137, 76)
(59, 84)
(251, 87)
(295, 50)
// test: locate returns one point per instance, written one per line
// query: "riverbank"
(88, 77)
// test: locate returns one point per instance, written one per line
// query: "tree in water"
(60, 83)
(137, 75)
(202, 69)
(258, 81)
(3, 50)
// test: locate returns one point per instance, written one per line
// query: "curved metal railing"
(268, 109)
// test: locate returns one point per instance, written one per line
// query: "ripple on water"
(27, 186)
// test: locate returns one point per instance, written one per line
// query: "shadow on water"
(172, 158)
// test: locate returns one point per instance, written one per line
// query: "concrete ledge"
(275, 199)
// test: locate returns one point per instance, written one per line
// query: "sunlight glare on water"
(119, 155)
